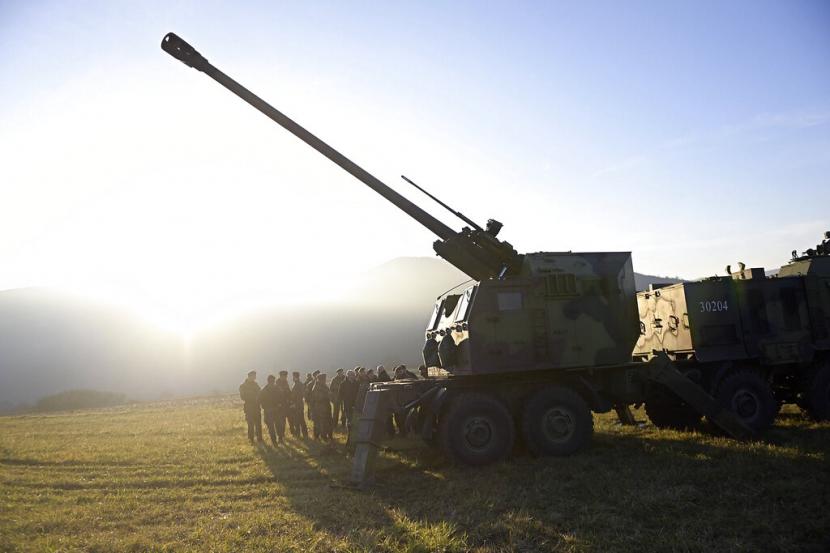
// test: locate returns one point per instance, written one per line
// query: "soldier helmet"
(271, 378)
(283, 373)
(252, 373)
(339, 371)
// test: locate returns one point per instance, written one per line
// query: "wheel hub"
(746, 403)
(558, 424)
(478, 432)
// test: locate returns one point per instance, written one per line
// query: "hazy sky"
(694, 134)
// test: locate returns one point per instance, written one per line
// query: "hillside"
(52, 341)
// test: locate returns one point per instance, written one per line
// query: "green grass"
(181, 476)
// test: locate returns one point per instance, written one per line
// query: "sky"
(693, 134)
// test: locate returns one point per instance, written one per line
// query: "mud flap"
(664, 372)
(368, 432)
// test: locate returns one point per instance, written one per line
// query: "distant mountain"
(641, 282)
(52, 341)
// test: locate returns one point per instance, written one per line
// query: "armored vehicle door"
(503, 325)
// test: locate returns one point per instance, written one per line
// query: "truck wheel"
(556, 421)
(749, 396)
(815, 394)
(476, 430)
(666, 410)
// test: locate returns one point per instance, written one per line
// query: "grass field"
(181, 476)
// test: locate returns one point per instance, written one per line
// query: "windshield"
(464, 304)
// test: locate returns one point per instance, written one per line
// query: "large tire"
(666, 410)
(747, 394)
(476, 430)
(815, 392)
(556, 421)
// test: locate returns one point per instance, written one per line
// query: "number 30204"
(713, 306)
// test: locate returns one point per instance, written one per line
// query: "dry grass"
(181, 476)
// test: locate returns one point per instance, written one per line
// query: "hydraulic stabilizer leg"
(625, 416)
(665, 373)
(369, 431)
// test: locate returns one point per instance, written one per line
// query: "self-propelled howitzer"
(527, 312)
(536, 344)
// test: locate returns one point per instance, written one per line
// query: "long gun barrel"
(476, 252)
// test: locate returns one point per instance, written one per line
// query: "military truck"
(537, 343)
(752, 341)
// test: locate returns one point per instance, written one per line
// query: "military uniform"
(362, 387)
(274, 398)
(321, 409)
(297, 410)
(249, 392)
(337, 404)
(347, 397)
(309, 385)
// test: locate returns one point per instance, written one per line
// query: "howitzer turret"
(475, 251)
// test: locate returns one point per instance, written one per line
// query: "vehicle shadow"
(630, 482)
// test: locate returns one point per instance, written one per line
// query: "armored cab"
(776, 320)
(562, 310)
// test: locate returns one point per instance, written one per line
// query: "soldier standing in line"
(402, 373)
(249, 392)
(283, 401)
(297, 407)
(292, 420)
(269, 400)
(348, 394)
(321, 406)
(362, 387)
(309, 384)
(336, 382)
(383, 376)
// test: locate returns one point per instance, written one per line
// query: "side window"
(509, 301)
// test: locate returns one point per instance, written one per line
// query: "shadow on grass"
(632, 488)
